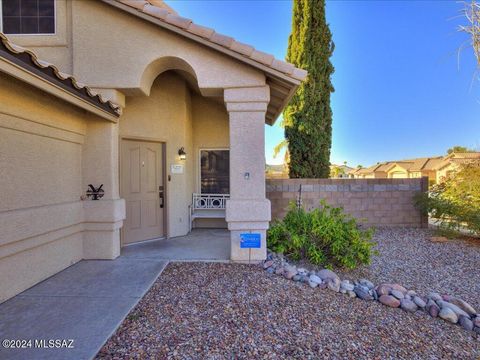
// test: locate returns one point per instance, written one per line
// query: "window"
(28, 16)
(215, 171)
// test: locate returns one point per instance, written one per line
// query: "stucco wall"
(137, 50)
(49, 152)
(40, 186)
(375, 202)
(174, 116)
(164, 116)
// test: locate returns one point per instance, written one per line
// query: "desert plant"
(454, 203)
(324, 236)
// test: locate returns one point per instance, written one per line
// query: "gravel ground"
(218, 311)
(408, 257)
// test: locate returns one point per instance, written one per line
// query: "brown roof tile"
(223, 40)
(156, 11)
(179, 21)
(242, 48)
(200, 30)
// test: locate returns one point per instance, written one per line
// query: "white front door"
(143, 189)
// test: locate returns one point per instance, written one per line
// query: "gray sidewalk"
(85, 303)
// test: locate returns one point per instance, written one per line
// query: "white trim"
(34, 34)
(199, 175)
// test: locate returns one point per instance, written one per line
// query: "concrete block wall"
(375, 202)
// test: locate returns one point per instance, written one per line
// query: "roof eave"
(271, 73)
(10, 68)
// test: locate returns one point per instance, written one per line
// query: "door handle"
(160, 196)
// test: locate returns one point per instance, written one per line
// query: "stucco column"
(102, 218)
(248, 210)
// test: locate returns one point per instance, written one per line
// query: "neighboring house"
(190, 115)
(452, 162)
(276, 171)
(433, 167)
(340, 171)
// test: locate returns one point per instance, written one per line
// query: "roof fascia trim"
(23, 74)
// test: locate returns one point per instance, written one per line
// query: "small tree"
(308, 117)
(455, 202)
(458, 149)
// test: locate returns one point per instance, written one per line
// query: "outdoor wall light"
(182, 153)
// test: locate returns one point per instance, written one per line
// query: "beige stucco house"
(179, 127)
(435, 168)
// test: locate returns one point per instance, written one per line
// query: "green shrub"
(325, 236)
(454, 203)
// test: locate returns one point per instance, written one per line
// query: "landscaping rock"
(383, 289)
(435, 296)
(465, 323)
(462, 305)
(476, 321)
(448, 314)
(448, 307)
(362, 293)
(399, 288)
(322, 286)
(325, 274)
(412, 293)
(289, 272)
(419, 302)
(302, 271)
(398, 294)
(432, 308)
(366, 283)
(267, 264)
(389, 300)
(333, 284)
(297, 277)
(453, 307)
(314, 278)
(408, 305)
(304, 278)
(346, 285)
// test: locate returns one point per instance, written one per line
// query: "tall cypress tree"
(308, 117)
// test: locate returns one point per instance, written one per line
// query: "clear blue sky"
(401, 91)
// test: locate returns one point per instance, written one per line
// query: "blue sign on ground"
(250, 241)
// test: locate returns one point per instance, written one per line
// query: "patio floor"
(89, 300)
(200, 244)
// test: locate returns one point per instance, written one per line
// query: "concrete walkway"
(86, 303)
(89, 300)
